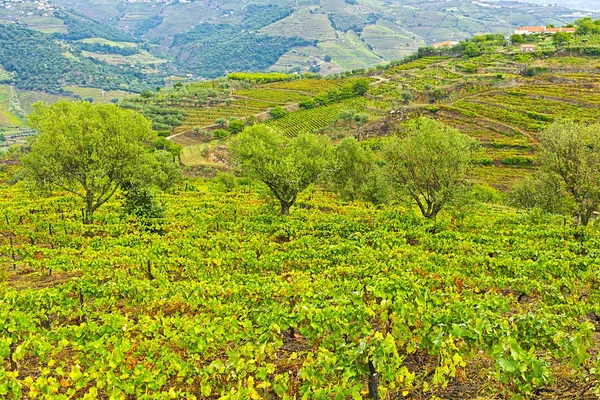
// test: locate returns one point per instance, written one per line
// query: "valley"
(425, 228)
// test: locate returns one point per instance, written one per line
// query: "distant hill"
(574, 4)
(327, 36)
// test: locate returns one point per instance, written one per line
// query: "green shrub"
(539, 116)
(535, 71)
(277, 112)
(346, 115)
(361, 118)
(486, 194)
(518, 160)
(307, 103)
(229, 181)
(220, 134)
(141, 202)
(484, 161)
(236, 126)
(251, 120)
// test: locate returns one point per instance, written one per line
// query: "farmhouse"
(448, 43)
(528, 48)
(528, 30)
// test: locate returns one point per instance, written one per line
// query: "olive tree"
(87, 150)
(429, 164)
(571, 152)
(287, 166)
(355, 174)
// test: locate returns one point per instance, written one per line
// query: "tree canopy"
(287, 166)
(87, 150)
(571, 152)
(429, 164)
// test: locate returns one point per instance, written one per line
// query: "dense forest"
(51, 64)
(81, 27)
(212, 50)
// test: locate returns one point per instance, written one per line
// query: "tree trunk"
(89, 209)
(285, 207)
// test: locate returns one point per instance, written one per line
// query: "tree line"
(428, 164)
(92, 151)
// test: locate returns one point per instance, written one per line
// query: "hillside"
(341, 35)
(483, 87)
(228, 300)
(212, 294)
(65, 49)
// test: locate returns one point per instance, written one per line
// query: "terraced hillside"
(353, 33)
(498, 95)
(15, 104)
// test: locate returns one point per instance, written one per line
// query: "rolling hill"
(484, 87)
(349, 34)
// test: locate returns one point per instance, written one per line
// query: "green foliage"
(260, 77)
(141, 202)
(307, 103)
(213, 50)
(361, 118)
(220, 134)
(523, 161)
(259, 16)
(571, 152)
(345, 21)
(561, 38)
(354, 173)
(251, 120)
(483, 161)
(277, 112)
(236, 126)
(81, 27)
(471, 50)
(406, 96)
(228, 181)
(87, 150)
(286, 166)
(163, 118)
(346, 114)
(587, 26)
(161, 143)
(107, 49)
(430, 164)
(163, 171)
(542, 191)
(48, 68)
(517, 39)
(533, 71)
(360, 87)
(147, 25)
(468, 67)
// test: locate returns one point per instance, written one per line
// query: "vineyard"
(8, 118)
(245, 102)
(226, 300)
(29, 97)
(312, 120)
